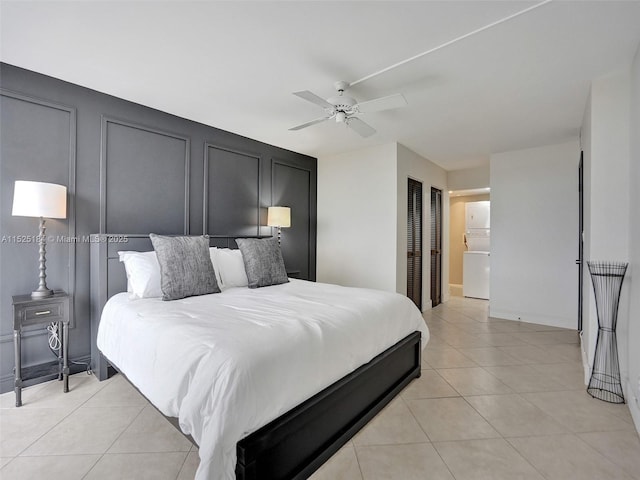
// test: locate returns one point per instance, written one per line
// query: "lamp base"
(42, 293)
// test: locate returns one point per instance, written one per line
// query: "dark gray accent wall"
(232, 173)
(129, 169)
(130, 156)
(295, 184)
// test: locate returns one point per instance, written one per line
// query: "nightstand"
(29, 311)
(293, 273)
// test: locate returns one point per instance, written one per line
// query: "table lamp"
(44, 200)
(279, 217)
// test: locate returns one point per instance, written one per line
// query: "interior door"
(580, 260)
(436, 247)
(414, 242)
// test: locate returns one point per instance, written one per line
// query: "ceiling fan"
(345, 109)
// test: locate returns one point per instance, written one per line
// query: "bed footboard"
(296, 444)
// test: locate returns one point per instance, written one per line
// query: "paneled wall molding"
(71, 198)
(278, 161)
(208, 175)
(310, 191)
(104, 160)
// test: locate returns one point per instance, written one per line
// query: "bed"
(326, 358)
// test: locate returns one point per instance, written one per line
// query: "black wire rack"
(607, 278)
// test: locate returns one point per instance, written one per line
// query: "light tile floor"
(496, 400)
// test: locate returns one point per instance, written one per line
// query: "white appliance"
(476, 260)
(477, 215)
(475, 274)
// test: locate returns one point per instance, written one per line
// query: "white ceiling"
(233, 65)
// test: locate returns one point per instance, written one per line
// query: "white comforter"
(226, 364)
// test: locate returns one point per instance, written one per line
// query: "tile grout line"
(502, 437)
(355, 452)
(506, 439)
(54, 425)
(183, 464)
(428, 437)
(605, 455)
(545, 347)
(102, 454)
(415, 419)
(113, 442)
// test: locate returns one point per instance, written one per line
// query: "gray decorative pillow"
(262, 261)
(185, 266)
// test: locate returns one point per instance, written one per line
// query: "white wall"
(606, 142)
(362, 218)
(633, 382)
(357, 218)
(610, 116)
(534, 229)
(468, 178)
(585, 145)
(412, 165)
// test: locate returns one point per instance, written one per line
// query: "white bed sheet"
(227, 364)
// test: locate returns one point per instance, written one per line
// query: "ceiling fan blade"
(382, 103)
(313, 98)
(308, 124)
(363, 129)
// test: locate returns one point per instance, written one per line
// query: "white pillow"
(143, 274)
(229, 267)
(216, 269)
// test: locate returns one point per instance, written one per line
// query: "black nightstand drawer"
(28, 311)
(44, 311)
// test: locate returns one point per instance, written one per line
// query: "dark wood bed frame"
(297, 443)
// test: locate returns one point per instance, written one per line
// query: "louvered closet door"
(414, 242)
(436, 247)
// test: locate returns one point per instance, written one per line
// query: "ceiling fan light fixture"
(345, 108)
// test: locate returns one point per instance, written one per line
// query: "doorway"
(414, 242)
(436, 246)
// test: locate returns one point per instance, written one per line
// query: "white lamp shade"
(279, 217)
(38, 199)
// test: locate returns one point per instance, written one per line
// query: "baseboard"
(548, 320)
(455, 290)
(630, 395)
(585, 360)
(634, 404)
